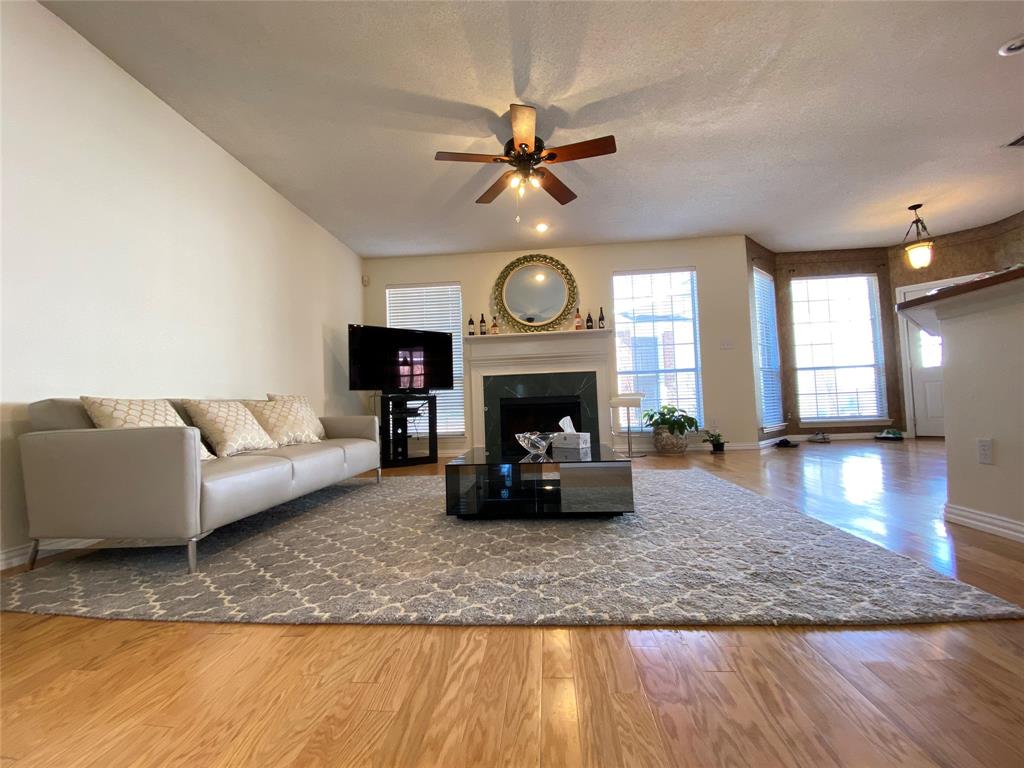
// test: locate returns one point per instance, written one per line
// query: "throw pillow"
(228, 426)
(122, 413)
(288, 421)
(309, 408)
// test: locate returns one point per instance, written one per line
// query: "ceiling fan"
(527, 155)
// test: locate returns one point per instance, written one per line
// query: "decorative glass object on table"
(535, 443)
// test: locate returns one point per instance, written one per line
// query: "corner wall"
(140, 259)
(722, 296)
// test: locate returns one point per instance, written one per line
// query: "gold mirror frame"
(571, 301)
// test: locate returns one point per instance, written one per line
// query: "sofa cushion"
(288, 421)
(58, 413)
(125, 413)
(360, 455)
(303, 402)
(237, 486)
(228, 426)
(314, 465)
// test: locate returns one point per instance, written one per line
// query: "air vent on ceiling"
(1018, 142)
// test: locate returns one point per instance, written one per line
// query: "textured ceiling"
(805, 126)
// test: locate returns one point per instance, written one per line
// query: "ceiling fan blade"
(580, 150)
(467, 157)
(554, 187)
(524, 125)
(496, 188)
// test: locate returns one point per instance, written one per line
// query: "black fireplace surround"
(535, 402)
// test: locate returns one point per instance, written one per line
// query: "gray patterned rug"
(699, 550)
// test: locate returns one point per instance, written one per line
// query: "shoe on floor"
(786, 443)
(889, 434)
(819, 437)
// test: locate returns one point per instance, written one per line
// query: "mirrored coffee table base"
(596, 483)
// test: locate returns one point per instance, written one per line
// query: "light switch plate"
(985, 450)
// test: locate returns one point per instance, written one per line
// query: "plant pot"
(666, 442)
(718, 447)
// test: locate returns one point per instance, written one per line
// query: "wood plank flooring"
(82, 692)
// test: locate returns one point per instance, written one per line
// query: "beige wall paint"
(983, 382)
(140, 259)
(723, 299)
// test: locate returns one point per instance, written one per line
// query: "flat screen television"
(399, 360)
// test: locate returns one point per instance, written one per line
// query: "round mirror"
(535, 293)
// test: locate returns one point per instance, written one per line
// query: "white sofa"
(149, 483)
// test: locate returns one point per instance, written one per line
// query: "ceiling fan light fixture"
(515, 181)
(534, 182)
(542, 228)
(919, 251)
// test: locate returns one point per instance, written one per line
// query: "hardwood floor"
(81, 692)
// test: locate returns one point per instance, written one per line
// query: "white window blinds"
(838, 344)
(657, 345)
(769, 368)
(434, 308)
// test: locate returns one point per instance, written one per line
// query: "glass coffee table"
(598, 482)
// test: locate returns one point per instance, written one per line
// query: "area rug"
(699, 550)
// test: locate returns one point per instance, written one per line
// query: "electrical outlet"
(985, 450)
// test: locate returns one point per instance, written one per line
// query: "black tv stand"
(395, 413)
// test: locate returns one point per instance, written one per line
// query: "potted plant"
(715, 438)
(671, 425)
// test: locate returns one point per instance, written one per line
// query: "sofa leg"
(378, 475)
(33, 554)
(192, 556)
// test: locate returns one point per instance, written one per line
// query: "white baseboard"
(13, 556)
(985, 521)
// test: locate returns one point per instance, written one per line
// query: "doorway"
(921, 354)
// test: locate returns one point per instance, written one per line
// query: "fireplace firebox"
(534, 414)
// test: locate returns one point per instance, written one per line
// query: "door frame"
(904, 335)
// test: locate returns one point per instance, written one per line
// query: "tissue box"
(572, 440)
(570, 454)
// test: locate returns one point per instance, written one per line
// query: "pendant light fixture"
(919, 250)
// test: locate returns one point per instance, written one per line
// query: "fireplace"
(534, 414)
(534, 402)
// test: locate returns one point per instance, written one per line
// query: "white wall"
(983, 393)
(723, 299)
(139, 258)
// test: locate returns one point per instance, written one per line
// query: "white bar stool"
(628, 400)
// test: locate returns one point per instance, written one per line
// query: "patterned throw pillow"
(309, 408)
(115, 413)
(228, 426)
(288, 421)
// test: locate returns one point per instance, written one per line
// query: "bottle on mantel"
(590, 322)
(472, 328)
(494, 325)
(577, 323)
(600, 319)
(483, 325)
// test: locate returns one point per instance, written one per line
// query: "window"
(930, 348)
(434, 308)
(769, 369)
(657, 347)
(838, 344)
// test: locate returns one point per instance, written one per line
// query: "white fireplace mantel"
(551, 352)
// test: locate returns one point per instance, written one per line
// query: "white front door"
(923, 363)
